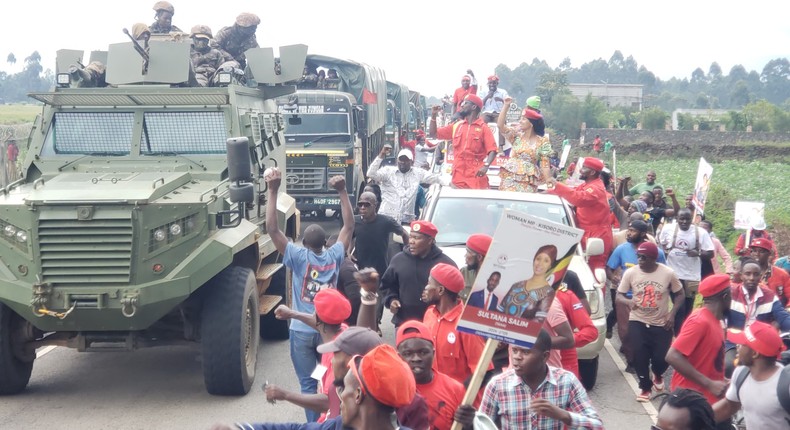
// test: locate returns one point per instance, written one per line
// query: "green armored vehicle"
(139, 221)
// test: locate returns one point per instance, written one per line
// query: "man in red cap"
(650, 322)
(592, 207)
(476, 249)
(407, 274)
(332, 308)
(474, 146)
(468, 86)
(777, 280)
(697, 354)
(457, 353)
(754, 384)
(442, 393)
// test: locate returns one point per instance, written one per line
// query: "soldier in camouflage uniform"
(205, 59)
(164, 16)
(233, 41)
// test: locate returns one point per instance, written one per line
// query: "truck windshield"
(89, 133)
(184, 133)
(319, 124)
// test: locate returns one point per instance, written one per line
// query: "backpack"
(782, 388)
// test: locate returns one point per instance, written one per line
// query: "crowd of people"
(673, 303)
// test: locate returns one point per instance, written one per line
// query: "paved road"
(163, 389)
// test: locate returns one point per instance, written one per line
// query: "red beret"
(474, 99)
(493, 78)
(479, 243)
(714, 284)
(385, 376)
(531, 114)
(762, 242)
(425, 227)
(448, 276)
(648, 248)
(331, 306)
(413, 329)
(760, 337)
(593, 163)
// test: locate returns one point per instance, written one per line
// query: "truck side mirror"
(240, 190)
(594, 247)
(361, 119)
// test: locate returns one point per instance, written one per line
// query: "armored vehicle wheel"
(15, 369)
(229, 332)
(271, 327)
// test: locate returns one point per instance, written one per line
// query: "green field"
(18, 114)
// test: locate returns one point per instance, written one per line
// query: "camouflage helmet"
(165, 6)
(247, 20)
(201, 31)
(139, 29)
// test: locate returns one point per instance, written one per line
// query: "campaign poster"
(515, 283)
(566, 150)
(748, 212)
(702, 185)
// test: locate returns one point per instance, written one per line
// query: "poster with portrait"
(512, 293)
(702, 185)
(748, 212)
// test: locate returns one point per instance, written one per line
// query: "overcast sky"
(429, 44)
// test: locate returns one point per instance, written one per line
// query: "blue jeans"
(304, 357)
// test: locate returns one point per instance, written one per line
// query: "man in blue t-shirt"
(314, 267)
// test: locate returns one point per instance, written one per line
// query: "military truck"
(397, 113)
(139, 221)
(335, 130)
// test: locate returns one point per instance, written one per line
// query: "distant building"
(627, 95)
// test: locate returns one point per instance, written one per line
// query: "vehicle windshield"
(319, 124)
(110, 133)
(457, 218)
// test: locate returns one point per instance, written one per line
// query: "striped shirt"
(507, 398)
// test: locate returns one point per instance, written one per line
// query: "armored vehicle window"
(184, 133)
(319, 124)
(90, 133)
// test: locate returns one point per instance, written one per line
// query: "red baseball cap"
(413, 329)
(448, 276)
(474, 99)
(479, 243)
(762, 242)
(648, 248)
(593, 163)
(425, 227)
(383, 375)
(331, 306)
(531, 114)
(760, 337)
(714, 284)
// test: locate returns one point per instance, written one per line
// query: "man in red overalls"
(592, 207)
(474, 146)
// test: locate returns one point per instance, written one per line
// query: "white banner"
(702, 185)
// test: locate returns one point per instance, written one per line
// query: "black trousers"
(649, 344)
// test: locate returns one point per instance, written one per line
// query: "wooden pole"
(477, 377)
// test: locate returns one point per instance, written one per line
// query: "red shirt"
(701, 340)
(328, 383)
(584, 330)
(460, 93)
(471, 144)
(778, 281)
(443, 396)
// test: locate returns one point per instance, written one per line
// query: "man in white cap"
(399, 184)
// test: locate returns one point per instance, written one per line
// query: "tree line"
(14, 87)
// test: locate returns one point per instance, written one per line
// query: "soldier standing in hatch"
(205, 59)
(164, 18)
(235, 40)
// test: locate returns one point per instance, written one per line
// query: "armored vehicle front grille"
(305, 179)
(85, 253)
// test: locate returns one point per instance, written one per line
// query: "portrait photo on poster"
(515, 285)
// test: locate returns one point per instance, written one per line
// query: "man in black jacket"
(407, 274)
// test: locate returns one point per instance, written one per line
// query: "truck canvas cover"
(399, 93)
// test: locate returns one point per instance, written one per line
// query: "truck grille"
(85, 253)
(305, 179)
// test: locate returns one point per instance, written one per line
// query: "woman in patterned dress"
(532, 298)
(529, 162)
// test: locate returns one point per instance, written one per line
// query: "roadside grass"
(18, 114)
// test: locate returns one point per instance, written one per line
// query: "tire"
(588, 371)
(14, 370)
(271, 327)
(229, 332)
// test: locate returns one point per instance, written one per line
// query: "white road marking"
(45, 350)
(629, 378)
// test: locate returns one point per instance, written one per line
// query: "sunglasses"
(363, 205)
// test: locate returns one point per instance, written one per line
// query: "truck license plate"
(326, 201)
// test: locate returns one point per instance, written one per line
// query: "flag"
(368, 97)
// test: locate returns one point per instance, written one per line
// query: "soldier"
(164, 17)
(233, 41)
(205, 59)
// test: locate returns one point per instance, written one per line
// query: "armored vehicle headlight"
(175, 229)
(9, 230)
(223, 78)
(63, 79)
(21, 236)
(160, 235)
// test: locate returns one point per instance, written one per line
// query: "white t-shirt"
(760, 405)
(687, 268)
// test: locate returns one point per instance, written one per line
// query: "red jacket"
(742, 248)
(584, 330)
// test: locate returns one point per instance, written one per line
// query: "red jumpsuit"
(471, 144)
(592, 215)
(584, 330)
